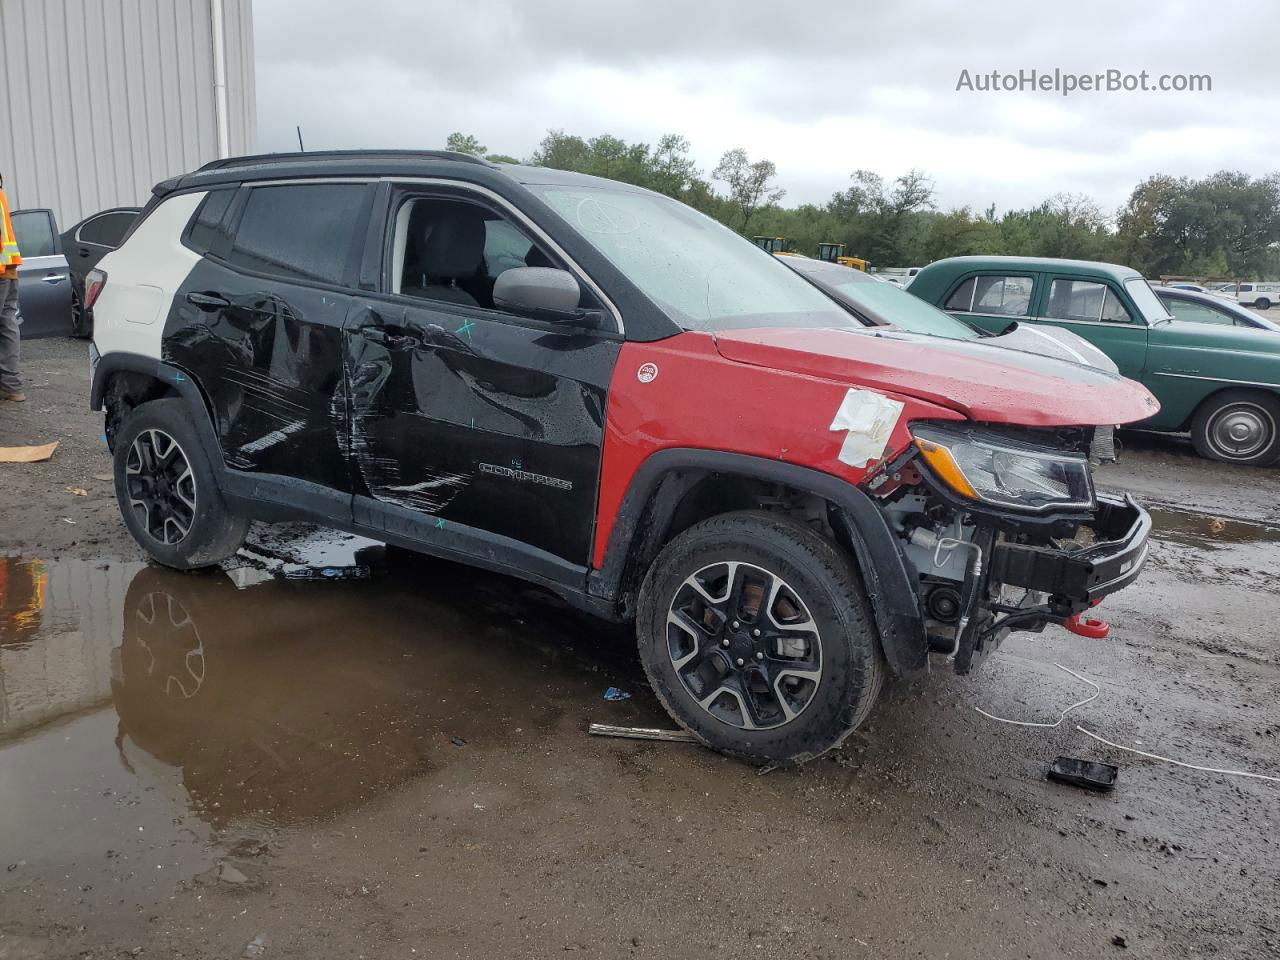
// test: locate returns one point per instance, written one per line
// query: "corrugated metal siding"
(102, 99)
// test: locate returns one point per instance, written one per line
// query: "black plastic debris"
(1084, 773)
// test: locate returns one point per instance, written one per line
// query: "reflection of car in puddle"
(288, 701)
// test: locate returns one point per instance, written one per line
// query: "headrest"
(452, 242)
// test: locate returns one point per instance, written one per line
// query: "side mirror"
(543, 292)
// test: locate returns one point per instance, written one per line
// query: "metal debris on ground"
(613, 693)
(641, 733)
(357, 572)
(28, 454)
(457, 741)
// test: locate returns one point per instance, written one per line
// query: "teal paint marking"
(467, 326)
(178, 377)
(439, 523)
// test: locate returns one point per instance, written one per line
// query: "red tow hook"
(1095, 628)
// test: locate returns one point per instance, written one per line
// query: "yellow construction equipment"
(834, 253)
(771, 244)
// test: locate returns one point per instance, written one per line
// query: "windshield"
(884, 302)
(702, 274)
(1152, 309)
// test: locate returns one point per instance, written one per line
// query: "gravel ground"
(248, 764)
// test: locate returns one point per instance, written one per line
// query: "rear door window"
(299, 231)
(33, 229)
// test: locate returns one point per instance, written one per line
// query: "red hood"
(986, 383)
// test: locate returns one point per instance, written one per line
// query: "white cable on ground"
(1179, 763)
(1097, 692)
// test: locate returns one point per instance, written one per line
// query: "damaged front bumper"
(1080, 578)
(1028, 586)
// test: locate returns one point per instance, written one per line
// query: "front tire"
(1238, 426)
(757, 636)
(167, 491)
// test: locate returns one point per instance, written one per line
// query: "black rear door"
(473, 427)
(258, 324)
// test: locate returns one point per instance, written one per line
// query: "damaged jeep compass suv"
(599, 390)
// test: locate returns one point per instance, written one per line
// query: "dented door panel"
(268, 356)
(488, 423)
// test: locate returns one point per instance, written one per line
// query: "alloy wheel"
(744, 645)
(168, 636)
(160, 486)
(1240, 431)
(77, 315)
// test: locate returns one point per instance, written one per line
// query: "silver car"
(890, 308)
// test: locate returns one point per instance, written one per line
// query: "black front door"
(472, 427)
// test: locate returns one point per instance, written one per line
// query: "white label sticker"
(647, 373)
(868, 419)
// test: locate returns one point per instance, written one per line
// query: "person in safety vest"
(10, 258)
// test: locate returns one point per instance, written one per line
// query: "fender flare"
(655, 490)
(172, 378)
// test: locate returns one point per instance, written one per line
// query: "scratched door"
(260, 330)
(493, 424)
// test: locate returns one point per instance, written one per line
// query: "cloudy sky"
(821, 89)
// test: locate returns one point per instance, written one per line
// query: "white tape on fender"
(868, 419)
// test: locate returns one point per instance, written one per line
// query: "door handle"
(207, 300)
(390, 337)
(84, 252)
(53, 278)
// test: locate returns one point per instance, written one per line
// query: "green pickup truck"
(1221, 383)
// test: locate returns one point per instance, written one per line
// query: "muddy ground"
(249, 763)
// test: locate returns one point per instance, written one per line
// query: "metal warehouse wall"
(101, 99)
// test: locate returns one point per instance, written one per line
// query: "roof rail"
(293, 157)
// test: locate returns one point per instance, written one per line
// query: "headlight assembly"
(1005, 473)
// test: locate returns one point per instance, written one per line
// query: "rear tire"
(1238, 426)
(757, 636)
(167, 490)
(1263, 304)
(81, 319)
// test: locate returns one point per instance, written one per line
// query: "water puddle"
(1213, 549)
(1193, 529)
(149, 719)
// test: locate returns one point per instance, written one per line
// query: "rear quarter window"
(107, 230)
(204, 231)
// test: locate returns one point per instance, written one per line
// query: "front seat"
(450, 248)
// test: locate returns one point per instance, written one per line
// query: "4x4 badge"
(647, 373)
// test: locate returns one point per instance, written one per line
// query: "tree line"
(1224, 225)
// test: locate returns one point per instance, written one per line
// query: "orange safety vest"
(10, 258)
